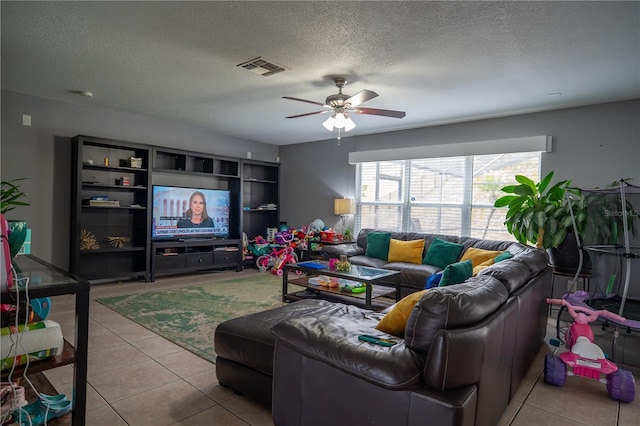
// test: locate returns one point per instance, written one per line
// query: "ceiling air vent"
(261, 66)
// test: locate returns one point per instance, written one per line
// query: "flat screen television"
(180, 213)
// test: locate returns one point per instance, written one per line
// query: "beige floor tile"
(101, 338)
(130, 331)
(249, 411)
(132, 380)
(157, 347)
(185, 364)
(630, 412)
(94, 400)
(533, 416)
(60, 376)
(217, 415)
(113, 359)
(207, 383)
(104, 416)
(163, 406)
(587, 398)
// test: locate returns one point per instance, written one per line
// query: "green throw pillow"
(502, 256)
(456, 273)
(442, 253)
(378, 244)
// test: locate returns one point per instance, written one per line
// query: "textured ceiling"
(441, 62)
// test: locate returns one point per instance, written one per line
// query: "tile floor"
(136, 377)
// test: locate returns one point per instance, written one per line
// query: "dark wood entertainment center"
(123, 173)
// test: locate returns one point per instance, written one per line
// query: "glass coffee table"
(382, 285)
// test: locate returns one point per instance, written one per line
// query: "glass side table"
(46, 280)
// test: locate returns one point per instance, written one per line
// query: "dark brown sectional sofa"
(465, 351)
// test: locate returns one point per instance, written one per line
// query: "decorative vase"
(17, 235)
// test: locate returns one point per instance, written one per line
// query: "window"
(450, 195)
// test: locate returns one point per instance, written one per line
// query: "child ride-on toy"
(585, 358)
(276, 260)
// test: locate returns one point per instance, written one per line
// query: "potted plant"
(11, 196)
(538, 213)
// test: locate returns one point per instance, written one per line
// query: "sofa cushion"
(333, 340)
(247, 340)
(405, 251)
(511, 273)
(368, 261)
(503, 256)
(412, 275)
(434, 280)
(484, 265)
(395, 321)
(378, 245)
(478, 255)
(456, 273)
(452, 307)
(442, 253)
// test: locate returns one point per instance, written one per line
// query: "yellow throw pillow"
(406, 251)
(483, 265)
(395, 321)
(478, 256)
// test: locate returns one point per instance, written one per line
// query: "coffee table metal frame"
(368, 275)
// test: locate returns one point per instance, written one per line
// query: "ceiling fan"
(341, 105)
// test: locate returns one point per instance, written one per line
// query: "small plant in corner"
(11, 196)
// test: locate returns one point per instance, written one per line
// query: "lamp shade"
(342, 206)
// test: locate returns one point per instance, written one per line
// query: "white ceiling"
(441, 62)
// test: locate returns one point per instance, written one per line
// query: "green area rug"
(188, 316)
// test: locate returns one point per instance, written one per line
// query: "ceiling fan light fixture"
(339, 120)
(329, 123)
(349, 124)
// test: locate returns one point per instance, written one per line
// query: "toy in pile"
(279, 247)
(27, 336)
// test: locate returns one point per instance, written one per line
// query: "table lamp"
(344, 207)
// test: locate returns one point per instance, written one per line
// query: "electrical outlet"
(571, 286)
(249, 155)
(26, 120)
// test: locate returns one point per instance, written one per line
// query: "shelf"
(112, 250)
(99, 185)
(129, 219)
(250, 180)
(114, 207)
(67, 357)
(112, 168)
(54, 281)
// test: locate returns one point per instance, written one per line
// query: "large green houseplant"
(538, 213)
(11, 196)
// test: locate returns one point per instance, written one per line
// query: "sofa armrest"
(334, 341)
(349, 249)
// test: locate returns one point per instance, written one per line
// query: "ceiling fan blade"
(375, 111)
(303, 100)
(360, 97)
(309, 113)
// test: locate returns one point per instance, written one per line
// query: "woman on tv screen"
(196, 216)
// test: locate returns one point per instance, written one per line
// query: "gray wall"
(592, 146)
(42, 153)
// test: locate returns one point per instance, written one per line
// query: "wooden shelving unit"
(100, 169)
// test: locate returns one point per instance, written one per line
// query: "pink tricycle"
(585, 358)
(276, 260)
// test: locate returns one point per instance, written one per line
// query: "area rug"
(188, 316)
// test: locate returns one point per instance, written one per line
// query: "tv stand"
(195, 254)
